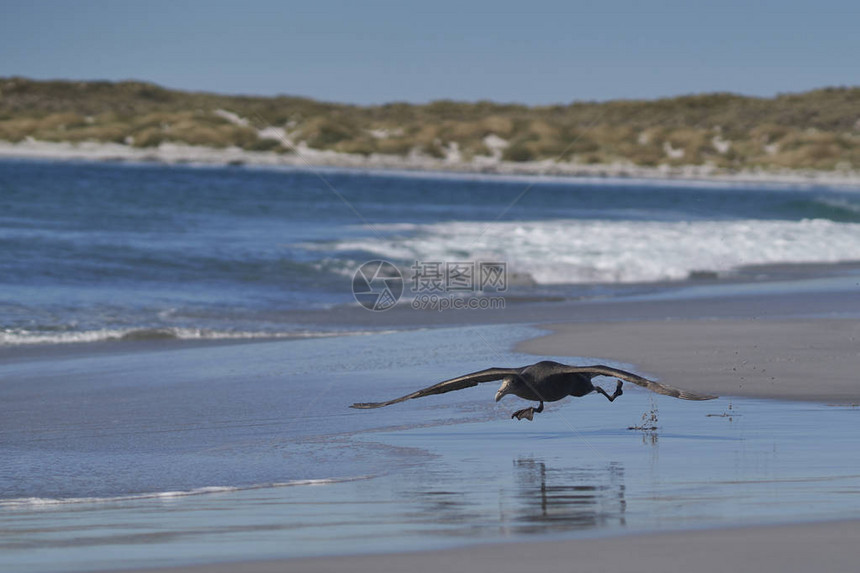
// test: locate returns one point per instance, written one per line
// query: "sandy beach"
(784, 358)
(794, 359)
(787, 359)
(305, 157)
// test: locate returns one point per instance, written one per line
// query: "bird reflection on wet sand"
(564, 499)
(543, 500)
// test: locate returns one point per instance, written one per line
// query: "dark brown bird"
(544, 381)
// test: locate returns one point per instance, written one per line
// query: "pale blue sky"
(534, 52)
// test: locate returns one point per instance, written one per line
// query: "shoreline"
(678, 346)
(805, 358)
(673, 328)
(796, 346)
(307, 158)
(722, 297)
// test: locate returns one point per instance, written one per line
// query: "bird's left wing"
(466, 381)
(657, 387)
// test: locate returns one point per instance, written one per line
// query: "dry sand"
(795, 359)
(172, 153)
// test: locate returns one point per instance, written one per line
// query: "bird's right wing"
(466, 381)
(639, 381)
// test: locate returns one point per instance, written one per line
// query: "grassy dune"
(813, 130)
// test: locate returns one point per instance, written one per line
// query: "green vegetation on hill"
(814, 130)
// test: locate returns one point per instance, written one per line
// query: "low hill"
(814, 130)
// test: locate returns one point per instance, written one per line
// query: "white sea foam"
(16, 337)
(839, 203)
(590, 251)
(37, 502)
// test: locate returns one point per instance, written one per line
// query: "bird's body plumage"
(544, 381)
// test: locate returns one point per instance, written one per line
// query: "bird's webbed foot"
(527, 413)
(618, 391)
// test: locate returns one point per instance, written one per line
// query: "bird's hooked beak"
(504, 389)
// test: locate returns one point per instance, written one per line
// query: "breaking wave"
(575, 251)
(37, 502)
(14, 337)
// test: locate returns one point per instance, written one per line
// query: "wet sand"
(797, 359)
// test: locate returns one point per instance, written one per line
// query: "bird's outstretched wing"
(466, 381)
(657, 387)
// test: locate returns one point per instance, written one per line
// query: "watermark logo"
(377, 285)
(435, 285)
(459, 276)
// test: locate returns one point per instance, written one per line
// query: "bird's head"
(505, 389)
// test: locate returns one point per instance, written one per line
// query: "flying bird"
(544, 381)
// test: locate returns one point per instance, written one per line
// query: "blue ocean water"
(94, 251)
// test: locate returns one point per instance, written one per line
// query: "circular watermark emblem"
(377, 285)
